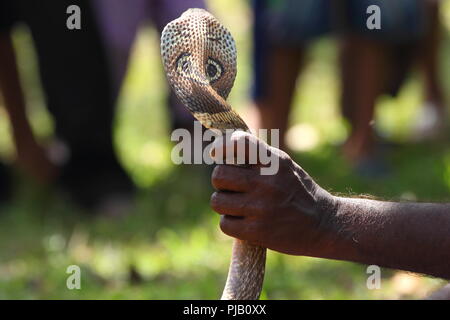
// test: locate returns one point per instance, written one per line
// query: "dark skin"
(290, 213)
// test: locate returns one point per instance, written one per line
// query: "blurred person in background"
(433, 119)
(282, 31)
(375, 62)
(82, 72)
(76, 82)
(31, 157)
(372, 62)
(119, 22)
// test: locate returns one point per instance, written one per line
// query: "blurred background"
(139, 226)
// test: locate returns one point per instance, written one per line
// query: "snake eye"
(184, 63)
(213, 70)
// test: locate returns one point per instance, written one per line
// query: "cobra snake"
(199, 58)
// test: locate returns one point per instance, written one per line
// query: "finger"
(232, 149)
(233, 204)
(232, 178)
(238, 148)
(233, 226)
(240, 228)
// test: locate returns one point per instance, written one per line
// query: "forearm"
(408, 236)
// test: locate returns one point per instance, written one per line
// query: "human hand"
(285, 212)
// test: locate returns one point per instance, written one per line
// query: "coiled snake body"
(199, 57)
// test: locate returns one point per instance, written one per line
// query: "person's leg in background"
(76, 81)
(30, 157)
(281, 33)
(432, 119)
(430, 58)
(374, 62)
(282, 68)
(364, 63)
(119, 22)
(8, 17)
(275, 72)
(363, 73)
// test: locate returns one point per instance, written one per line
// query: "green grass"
(171, 238)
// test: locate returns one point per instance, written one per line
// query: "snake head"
(199, 57)
(197, 47)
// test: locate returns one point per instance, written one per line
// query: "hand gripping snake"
(199, 57)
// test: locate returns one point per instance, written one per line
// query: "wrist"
(328, 206)
(336, 241)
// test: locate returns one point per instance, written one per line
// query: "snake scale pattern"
(199, 58)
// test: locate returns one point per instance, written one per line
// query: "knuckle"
(225, 226)
(217, 176)
(215, 201)
(269, 182)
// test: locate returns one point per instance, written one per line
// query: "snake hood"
(199, 57)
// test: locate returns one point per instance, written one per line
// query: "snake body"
(199, 58)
